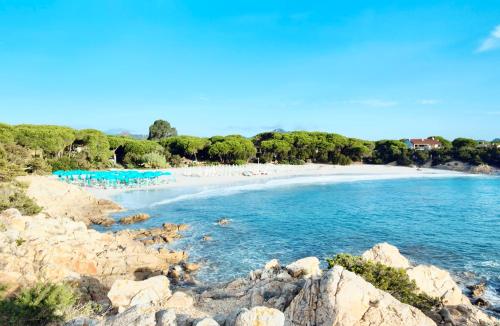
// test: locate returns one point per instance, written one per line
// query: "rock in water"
(477, 289)
(260, 316)
(306, 267)
(134, 218)
(386, 254)
(342, 298)
(437, 283)
(125, 293)
(223, 221)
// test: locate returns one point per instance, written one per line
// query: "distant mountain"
(124, 132)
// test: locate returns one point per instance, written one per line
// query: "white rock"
(207, 322)
(305, 267)
(10, 213)
(166, 318)
(125, 293)
(260, 316)
(141, 315)
(438, 283)
(342, 298)
(272, 264)
(179, 300)
(386, 254)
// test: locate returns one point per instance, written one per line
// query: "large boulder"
(342, 298)
(207, 322)
(139, 315)
(305, 267)
(260, 316)
(438, 283)
(386, 254)
(179, 300)
(166, 318)
(125, 293)
(466, 315)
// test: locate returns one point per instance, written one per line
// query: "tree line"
(45, 148)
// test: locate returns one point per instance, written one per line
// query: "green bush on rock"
(12, 195)
(389, 279)
(39, 305)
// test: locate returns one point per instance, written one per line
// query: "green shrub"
(154, 161)
(12, 195)
(176, 160)
(389, 279)
(39, 166)
(240, 162)
(70, 163)
(39, 305)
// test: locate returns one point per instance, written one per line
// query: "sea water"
(452, 222)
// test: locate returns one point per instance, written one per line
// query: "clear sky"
(368, 69)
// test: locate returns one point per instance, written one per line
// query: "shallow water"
(453, 223)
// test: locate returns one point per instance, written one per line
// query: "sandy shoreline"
(199, 177)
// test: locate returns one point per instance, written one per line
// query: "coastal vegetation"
(41, 304)
(389, 279)
(41, 149)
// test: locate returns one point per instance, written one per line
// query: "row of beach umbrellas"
(111, 178)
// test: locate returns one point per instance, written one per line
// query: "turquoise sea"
(451, 222)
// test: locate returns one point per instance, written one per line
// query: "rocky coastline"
(132, 278)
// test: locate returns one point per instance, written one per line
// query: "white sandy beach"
(203, 176)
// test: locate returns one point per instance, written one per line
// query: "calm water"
(453, 223)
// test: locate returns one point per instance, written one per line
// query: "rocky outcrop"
(59, 199)
(261, 316)
(305, 267)
(126, 293)
(35, 248)
(386, 254)
(344, 298)
(162, 235)
(136, 218)
(437, 283)
(466, 315)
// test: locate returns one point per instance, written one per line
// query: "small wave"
(292, 181)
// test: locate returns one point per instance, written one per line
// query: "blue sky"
(368, 69)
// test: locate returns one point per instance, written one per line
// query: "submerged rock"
(223, 221)
(207, 238)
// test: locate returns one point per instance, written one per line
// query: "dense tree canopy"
(51, 140)
(231, 149)
(39, 148)
(161, 129)
(186, 146)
